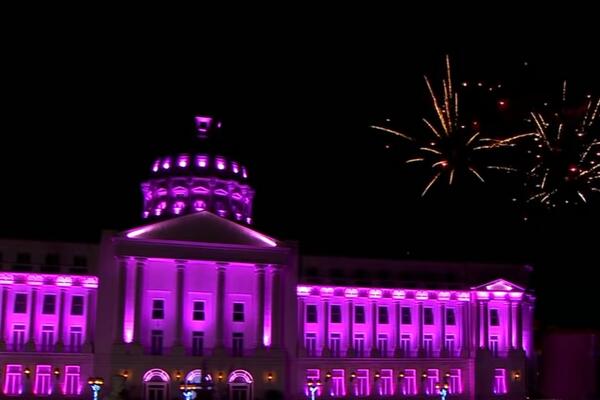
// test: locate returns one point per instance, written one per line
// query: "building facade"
(196, 304)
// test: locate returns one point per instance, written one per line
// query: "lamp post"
(313, 387)
(95, 384)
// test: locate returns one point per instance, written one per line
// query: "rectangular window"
(49, 306)
(157, 342)
(77, 305)
(455, 382)
(75, 335)
(450, 317)
(382, 345)
(499, 386)
(428, 316)
(20, 306)
(494, 318)
(406, 317)
(13, 380)
(335, 341)
(311, 313)
(18, 337)
(359, 344)
(47, 338)
(310, 343)
(359, 314)
(428, 345)
(386, 383)
(433, 378)
(43, 380)
(198, 314)
(238, 312)
(409, 382)
(383, 317)
(238, 344)
(313, 376)
(338, 387)
(336, 313)
(405, 344)
(158, 309)
(494, 345)
(362, 383)
(197, 343)
(72, 385)
(450, 345)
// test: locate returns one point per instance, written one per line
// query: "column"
(4, 295)
(374, 352)
(421, 351)
(443, 349)
(139, 296)
(510, 325)
(478, 324)
(90, 317)
(179, 295)
(520, 326)
(486, 326)
(276, 301)
(350, 335)
(326, 352)
(120, 338)
(32, 320)
(301, 348)
(398, 326)
(260, 306)
(466, 330)
(219, 339)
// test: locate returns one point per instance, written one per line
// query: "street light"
(95, 384)
(313, 387)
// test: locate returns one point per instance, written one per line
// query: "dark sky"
(87, 106)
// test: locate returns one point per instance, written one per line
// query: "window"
(450, 345)
(75, 334)
(494, 318)
(336, 313)
(52, 259)
(409, 382)
(386, 383)
(238, 344)
(383, 316)
(359, 315)
(197, 343)
(18, 337)
(43, 381)
(71, 385)
(198, 314)
(499, 386)
(311, 313)
(405, 344)
(433, 377)
(382, 345)
(20, 306)
(359, 344)
(80, 261)
(428, 345)
(77, 305)
(406, 317)
(310, 342)
(428, 316)
(13, 380)
(494, 345)
(313, 376)
(455, 382)
(362, 383)
(238, 312)
(49, 306)
(157, 342)
(158, 309)
(335, 340)
(338, 388)
(450, 317)
(47, 338)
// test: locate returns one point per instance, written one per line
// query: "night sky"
(87, 109)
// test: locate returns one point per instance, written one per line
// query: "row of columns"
(514, 325)
(180, 266)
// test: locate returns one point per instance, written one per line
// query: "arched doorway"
(240, 385)
(156, 384)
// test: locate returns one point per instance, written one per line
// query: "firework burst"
(451, 147)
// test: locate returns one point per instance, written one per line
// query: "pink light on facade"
(199, 205)
(178, 207)
(34, 279)
(64, 281)
(499, 295)
(202, 161)
(49, 280)
(200, 190)
(444, 296)
(139, 231)
(464, 296)
(13, 379)
(221, 192)
(156, 165)
(128, 335)
(422, 295)
(156, 375)
(7, 279)
(183, 161)
(166, 163)
(351, 292)
(483, 295)
(235, 167)
(375, 293)
(220, 162)
(180, 191)
(203, 125)
(399, 294)
(265, 239)
(327, 291)
(90, 282)
(244, 172)
(240, 376)
(515, 295)
(303, 290)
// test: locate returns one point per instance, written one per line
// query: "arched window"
(156, 384)
(240, 385)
